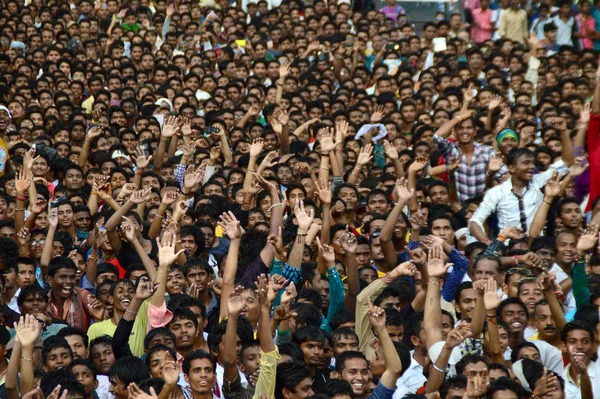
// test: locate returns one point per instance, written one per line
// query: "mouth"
(358, 385)
(67, 289)
(203, 383)
(579, 356)
(517, 325)
(550, 329)
(125, 302)
(184, 338)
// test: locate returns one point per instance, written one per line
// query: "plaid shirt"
(470, 179)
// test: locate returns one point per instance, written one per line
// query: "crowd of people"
(277, 199)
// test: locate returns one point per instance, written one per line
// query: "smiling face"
(185, 333)
(515, 316)
(356, 372)
(523, 168)
(122, 296)
(63, 282)
(579, 346)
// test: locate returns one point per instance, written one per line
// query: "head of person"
(85, 372)
(464, 301)
(125, 371)
(578, 338)
(513, 312)
(311, 341)
(453, 387)
(57, 353)
(505, 388)
(78, 341)
(338, 389)
(473, 366)
(156, 358)
(344, 339)
(521, 164)
(353, 367)
(199, 368)
(487, 266)
(102, 354)
(62, 271)
(184, 325)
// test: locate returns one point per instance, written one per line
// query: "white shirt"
(411, 380)
(501, 200)
(13, 305)
(549, 355)
(102, 390)
(573, 391)
(565, 30)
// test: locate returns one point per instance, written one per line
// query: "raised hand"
(282, 312)
(236, 302)
(584, 117)
(289, 294)
(39, 206)
(513, 232)
(130, 230)
(552, 188)
(262, 287)
(324, 192)
(134, 391)
(170, 373)
(141, 160)
(22, 181)
(378, 114)
(579, 166)
(170, 127)
(23, 236)
(304, 218)
(231, 226)
(491, 298)
(95, 308)
(495, 163)
(52, 216)
(476, 387)
(186, 127)
(530, 259)
(349, 242)
(145, 288)
(256, 147)
(169, 197)
(495, 102)
(435, 263)
(127, 190)
(365, 155)
(276, 241)
(403, 269)
(282, 116)
(192, 177)
(458, 335)
(276, 283)
(29, 159)
(546, 384)
(342, 128)
(390, 150)
(327, 143)
(27, 330)
(254, 110)
(418, 165)
(276, 125)
(141, 196)
(404, 194)
(284, 69)
(588, 241)
(376, 316)
(326, 252)
(417, 219)
(166, 249)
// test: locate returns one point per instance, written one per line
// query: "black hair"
(154, 333)
(510, 301)
(338, 387)
(157, 348)
(58, 263)
(292, 350)
(196, 263)
(196, 355)
(456, 382)
(311, 295)
(31, 290)
(514, 356)
(127, 370)
(289, 376)
(70, 330)
(308, 314)
(86, 363)
(504, 384)
(577, 325)
(470, 359)
(184, 314)
(52, 343)
(498, 366)
(517, 153)
(308, 333)
(342, 317)
(340, 361)
(9, 253)
(65, 378)
(412, 327)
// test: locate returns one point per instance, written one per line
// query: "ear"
(336, 375)
(505, 288)
(415, 341)
(187, 379)
(286, 393)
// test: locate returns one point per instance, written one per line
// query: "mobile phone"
(349, 44)
(212, 129)
(54, 204)
(392, 46)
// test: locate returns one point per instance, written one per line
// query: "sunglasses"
(519, 270)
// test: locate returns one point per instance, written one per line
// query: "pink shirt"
(590, 22)
(482, 32)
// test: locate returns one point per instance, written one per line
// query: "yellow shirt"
(138, 333)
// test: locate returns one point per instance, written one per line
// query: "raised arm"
(389, 251)
(393, 366)
(168, 131)
(232, 228)
(304, 220)
(446, 129)
(363, 158)
(350, 243)
(132, 233)
(166, 258)
(47, 249)
(551, 190)
(235, 305)
(418, 165)
(432, 317)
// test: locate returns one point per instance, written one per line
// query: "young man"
(124, 372)
(85, 372)
(57, 354)
(578, 337)
(78, 341)
(199, 277)
(199, 371)
(67, 302)
(25, 272)
(293, 381)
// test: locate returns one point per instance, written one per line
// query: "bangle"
(274, 205)
(434, 282)
(27, 359)
(164, 139)
(158, 216)
(515, 260)
(21, 198)
(438, 369)
(93, 257)
(487, 241)
(301, 235)
(549, 203)
(459, 118)
(492, 319)
(323, 167)
(20, 209)
(139, 172)
(25, 254)
(501, 238)
(130, 311)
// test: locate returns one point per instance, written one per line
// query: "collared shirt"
(13, 302)
(503, 201)
(513, 25)
(470, 179)
(564, 34)
(573, 388)
(74, 310)
(411, 380)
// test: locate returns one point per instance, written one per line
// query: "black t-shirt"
(127, 255)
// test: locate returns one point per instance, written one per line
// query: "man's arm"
(235, 305)
(231, 226)
(487, 206)
(393, 366)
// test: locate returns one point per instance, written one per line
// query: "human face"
(356, 373)
(74, 180)
(466, 304)
(378, 204)
(58, 358)
(486, 268)
(26, 275)
(118, 180)
(63, 282)
(348, 195)
(251, 360)
(523, 168)
(579, 346)
(571, 215)
(185, 333)
(529, 353)
(396, 333)
(530, 293)
(443, 229)
(251, 309)
(313, 352)
(122, 296)
(83, 221)
(515, 316)
(80, 351)
(344, 344)
(201, 376)
(33, 304)
(65, 215)
(176, 283)
(85, 376)
(439, 195)
(392, 303)
(545, 323)
(466, 131)
(118, 389)
(157, 362)
(566, 248)
(200, 277)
